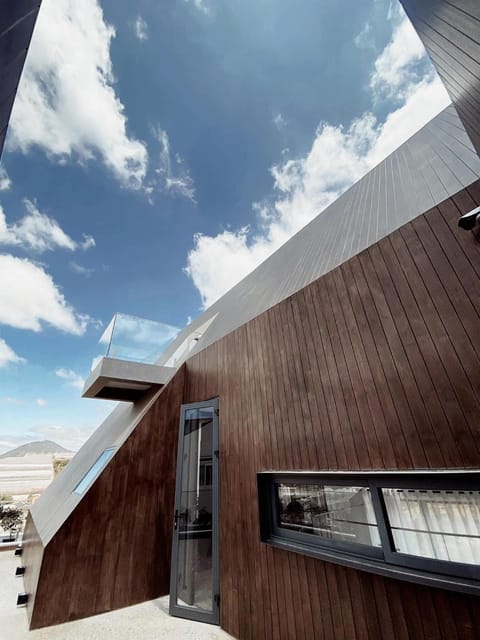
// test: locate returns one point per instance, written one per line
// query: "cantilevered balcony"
(128, 369)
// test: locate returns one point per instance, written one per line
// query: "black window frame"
(384, 560)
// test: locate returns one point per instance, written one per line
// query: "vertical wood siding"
(450, 31)
(114, 549)
(376, 365)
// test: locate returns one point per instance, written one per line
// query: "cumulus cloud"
(29, 298)
(66, 103)
(141, 29)
(72, 378)
(172, 176)
(395, 67)
(41, 402)
(305, 186)
(39, 232)
(5, 182)
(8, 356)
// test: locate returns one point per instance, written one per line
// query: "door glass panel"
(194, 588)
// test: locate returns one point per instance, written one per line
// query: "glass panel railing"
(136, 339)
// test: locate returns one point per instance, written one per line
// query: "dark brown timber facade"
(373, 366)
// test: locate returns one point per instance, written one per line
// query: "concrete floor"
(146, 621)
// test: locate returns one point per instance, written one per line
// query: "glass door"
(194, 583)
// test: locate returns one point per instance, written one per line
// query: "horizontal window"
(424, 526)
(94, 471)
(344, 514)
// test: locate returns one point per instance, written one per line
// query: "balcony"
(128, 370)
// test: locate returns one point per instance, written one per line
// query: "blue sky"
(158, 152)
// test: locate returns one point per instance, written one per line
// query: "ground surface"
(146, 621)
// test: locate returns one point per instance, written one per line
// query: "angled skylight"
(94, 471)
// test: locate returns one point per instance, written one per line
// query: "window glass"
(332, 512)
(94, 471)
(444, 525)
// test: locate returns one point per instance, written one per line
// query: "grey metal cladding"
(438, 161)
(17, 20)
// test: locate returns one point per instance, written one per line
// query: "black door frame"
(190, 613)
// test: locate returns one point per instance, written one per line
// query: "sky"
(158, 152)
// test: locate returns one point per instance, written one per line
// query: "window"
(421, 526)
(94, 471)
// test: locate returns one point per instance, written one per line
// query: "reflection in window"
(423, 526)
(94, 471)
(444, 525)
(332, 512)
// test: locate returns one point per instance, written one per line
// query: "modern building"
(303, 460)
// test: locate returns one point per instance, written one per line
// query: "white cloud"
(72, 378)
(199, 4)
(41, 402)
(29, 298)
(305, 186)
(175, 180)
(8, 356)
(394, 68)
(141, 29)
(10, 400)
(70, 437)
(279, 121)
(66, 102)
(5, 182)
(363, 40)
(81, 270)
(87, 243)
(38, 232)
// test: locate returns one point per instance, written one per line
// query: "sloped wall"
(450, 31)
(114, 549)
(376, 365)
(17, 20)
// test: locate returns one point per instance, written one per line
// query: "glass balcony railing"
(136, 339)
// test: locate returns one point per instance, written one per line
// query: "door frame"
(190, 613)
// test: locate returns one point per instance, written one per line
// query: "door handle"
(177, 516)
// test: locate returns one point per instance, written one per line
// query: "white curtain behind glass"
(444, 525)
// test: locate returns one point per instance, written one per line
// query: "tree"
(59, 464)
(11, 518)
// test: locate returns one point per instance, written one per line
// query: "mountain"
(32, 448)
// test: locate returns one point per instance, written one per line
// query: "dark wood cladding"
(114, 549)
(32, 553)
(450, 31)
(375, 365)
(17, 20)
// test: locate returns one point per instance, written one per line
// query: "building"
(309, 446)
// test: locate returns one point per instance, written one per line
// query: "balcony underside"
(123, 380)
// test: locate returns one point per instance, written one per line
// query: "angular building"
(303, 461)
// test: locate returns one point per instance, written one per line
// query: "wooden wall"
(376, 365)
(450, 31)
(114, 549)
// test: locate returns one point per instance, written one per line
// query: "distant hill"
(32, 448)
